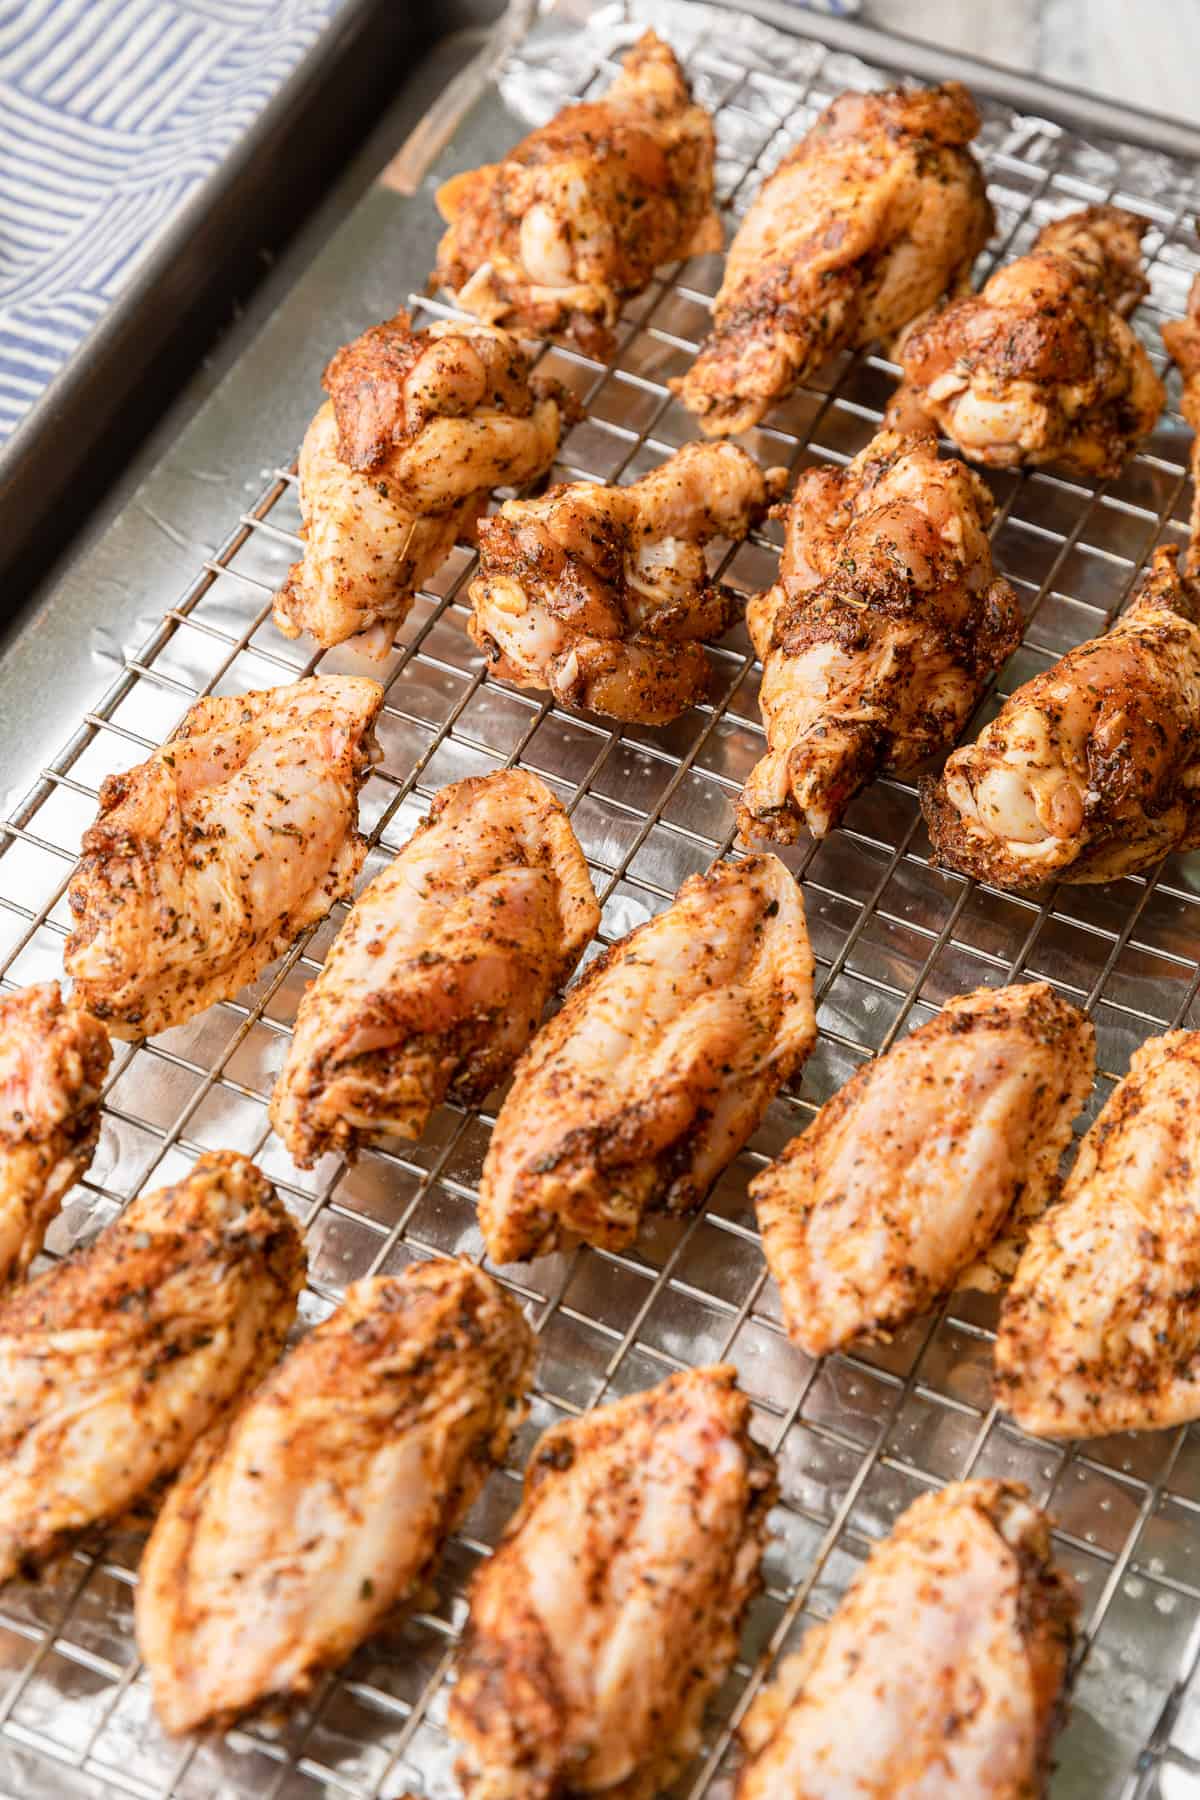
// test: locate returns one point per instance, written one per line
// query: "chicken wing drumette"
(581, 212)
(941, 1674)
(439, 977)
(1182, 340)
(658, 1068)
(1100, 1331)
(875, 216)
(1040, 366)
(612, 1607)
(931, 1157)
(398, 464)
(877, 640)
(602, 594)
(1092, 769)
(210, 858)
(114, 1362)
(297, 1528)
(53, 1059)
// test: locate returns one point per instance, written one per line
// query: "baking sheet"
(857, 1436)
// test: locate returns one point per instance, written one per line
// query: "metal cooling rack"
(857, 1436)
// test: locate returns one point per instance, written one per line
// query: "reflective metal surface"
(189, 570)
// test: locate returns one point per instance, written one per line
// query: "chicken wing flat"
(1100, 1331)
(398, 464)
(928, 1154)
(581, 212)
(612, 1607)
(439, 977)
(1091, 770)
(658, 1068)
(602, 594)
(941, 1674)
(1182, 340)
(875, 216)
(880, 635)
(1040, 366)
(115, 1361)
(210, 858)
(294, 1531)
(53, 1059)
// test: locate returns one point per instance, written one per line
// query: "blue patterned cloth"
(112, 114)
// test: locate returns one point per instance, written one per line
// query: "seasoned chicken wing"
(582, 211)
(297, 1528)
(398, 464)
(658, 1068)
(210, 858)
(115, 1361)
(612, 1607)
(602, 594)
(53, 1059)
(931, 1157)
(1182, 340)
(1091, 770)
(875, 216)
(1100, 1331)
(941, 1674)
(884, 627)
(1040, 365)
(439, 977)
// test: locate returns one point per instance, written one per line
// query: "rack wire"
(858, 1436)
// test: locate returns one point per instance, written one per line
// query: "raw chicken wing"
(296, 1530)
(941, 1674)
(875, 216)
(658, 1068)
(1092, 769)
(880, 635)
(909, 1174)
(115, 1361)
(602, 594)
(612, 1607)
(1100, 1331)
(1040, 365)
(53, 1059)
(210, 858)
(581, 212)
(439, 977)
(399, 463)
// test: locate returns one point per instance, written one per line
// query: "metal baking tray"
(197, 271)
(174, 601)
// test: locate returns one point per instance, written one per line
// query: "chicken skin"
(660, 1065)
(940, 1675)
(115, 1361)
(209, 859)
(884, 627)
(1091, 770)
(398, 464)
(439, 977)
(602, 594)
(875, 216)
(1182, 340)
(296, 1529)
(612, 1607)
(581, 212)
(1040, 365)
(931, 1157)
(1100, 1331)
(53, 1060)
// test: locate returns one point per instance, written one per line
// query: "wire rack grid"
(857, 1436)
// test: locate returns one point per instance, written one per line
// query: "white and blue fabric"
(112, 114)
